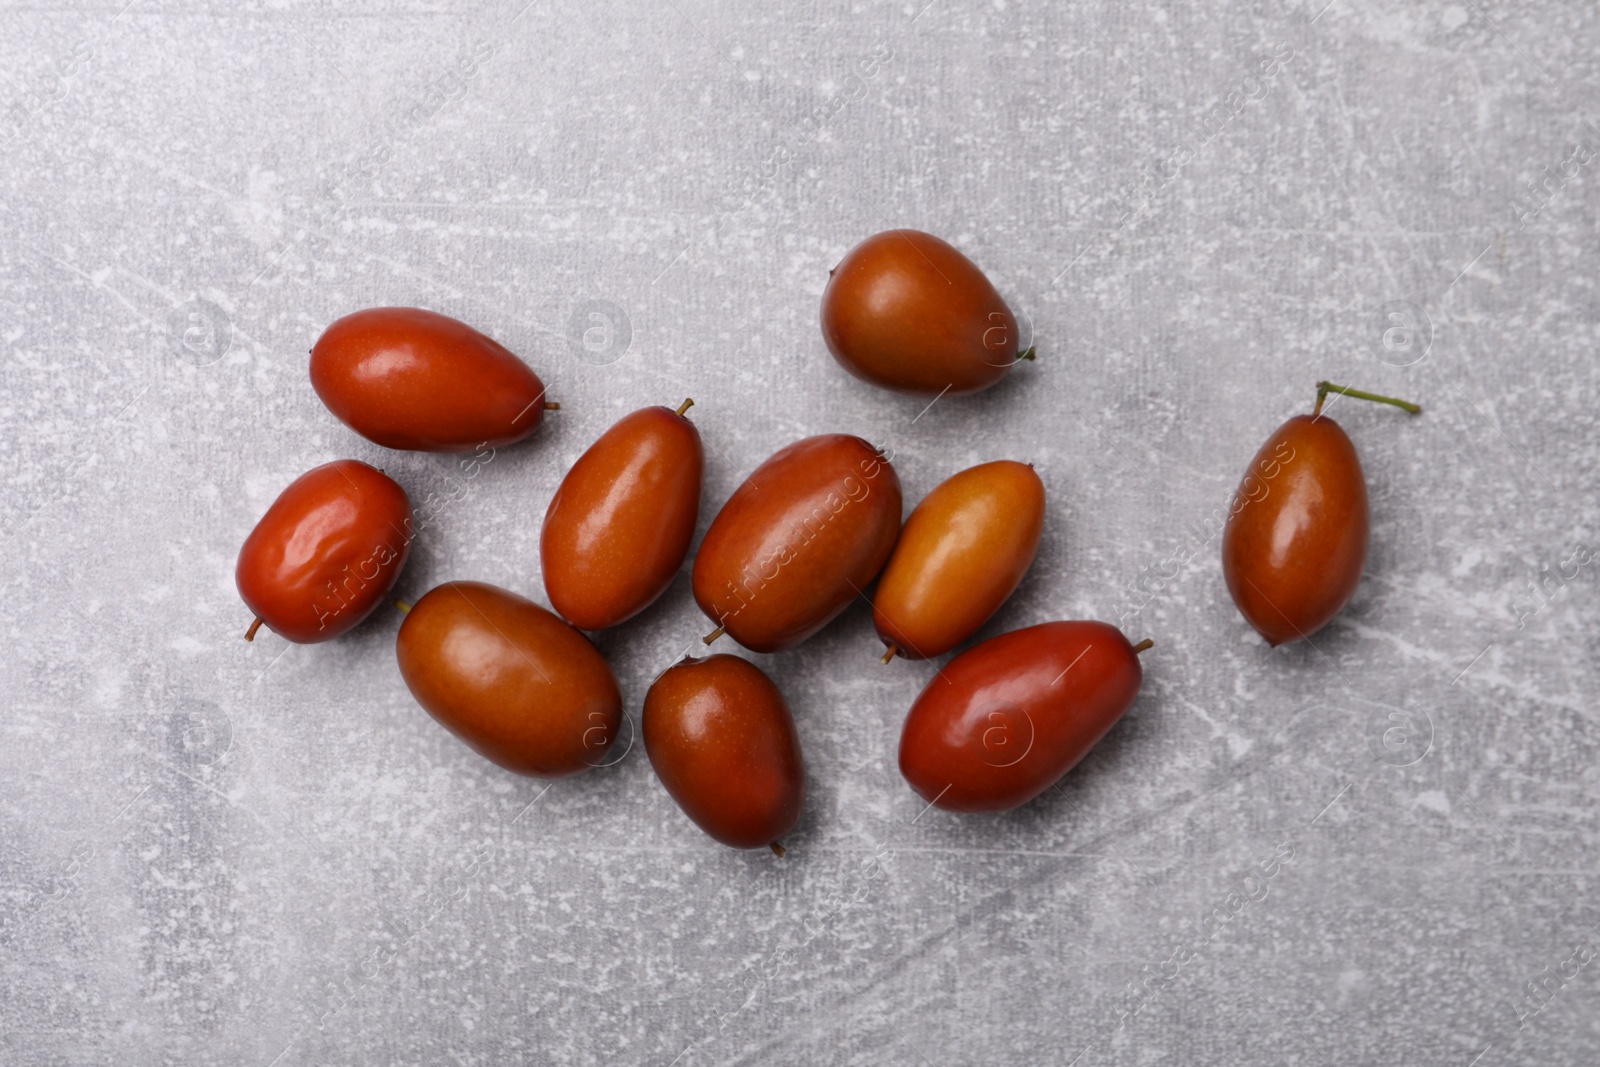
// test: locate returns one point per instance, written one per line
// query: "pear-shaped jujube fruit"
(723, 743)
(804, 535)
(619, 526)
(1003, 721)
(1295, 542)
(519, 686)
(961, 554)
(325, 553)
(413, 379)
(909, 312)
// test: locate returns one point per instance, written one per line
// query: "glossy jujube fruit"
(1005, 719)
(326, 552)
(804, 535)
(723, 743)
(1295, 542)
(417, 380)
(961, 554)
(519, 686)
(909, 312)
(619, 526)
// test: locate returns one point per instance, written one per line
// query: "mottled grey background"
(220, 853)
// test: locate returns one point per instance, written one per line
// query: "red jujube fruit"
(909, 312)
(619, 526)
(723, 743)
(325, 553)
(804, 535)
(519, 686)
(1296, 539)
(413, 379)
(1003, 721)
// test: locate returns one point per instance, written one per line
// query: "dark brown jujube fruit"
(723, 743)
(518, 685)
(909, 312)
(804, 535)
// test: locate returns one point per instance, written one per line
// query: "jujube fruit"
(720, 737)
(909, 312)
(413, 379)
(519, 686)
(620, 524)
(1295, 542)
(1003, 721)
(961, 554)
(325, 553)
(804, 535)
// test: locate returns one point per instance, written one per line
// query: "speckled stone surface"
(214, 852)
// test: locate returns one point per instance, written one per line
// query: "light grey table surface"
(214, 852)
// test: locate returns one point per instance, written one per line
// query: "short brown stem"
(778, 850)
(714, 634)
(685, 406)
(1031, 353)
(552, 405)
(889, 655)
(250, 634)
(1143, 645)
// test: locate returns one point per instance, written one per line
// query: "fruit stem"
(889, 655)
(552, 405)
(1031, 353)
(778, 850)
(1143, 645)
(685, 406)
(1324, 388)
(403, 606)
(250, 634)
(714, 634)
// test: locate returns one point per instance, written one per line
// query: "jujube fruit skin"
(620, 525)
(723, 743)
(1003, 721)
(1296, 540)
(521, 687)
(907, 311)
(804, 535)
(413, 379)
(326, 552)
(960, 556)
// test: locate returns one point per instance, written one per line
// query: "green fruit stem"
(1324, 388)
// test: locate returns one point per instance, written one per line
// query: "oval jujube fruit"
(519, 686)
(909, 312)
(417, 380)
(961, 554)
(1295, 543)
(1003, 721)
(802, 537)
(723, 743)
(619, 526)
(325, 553)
